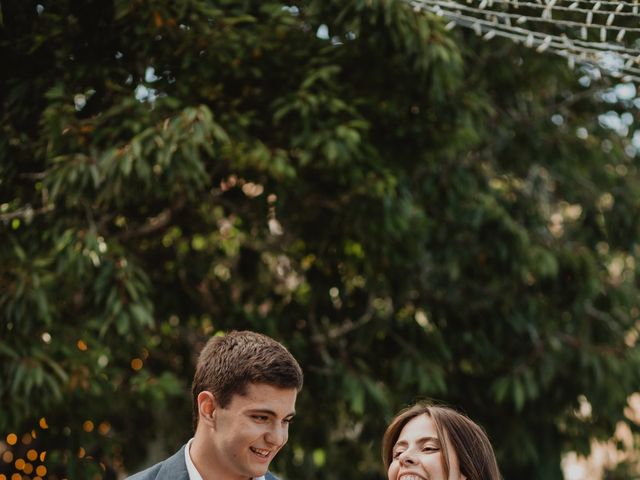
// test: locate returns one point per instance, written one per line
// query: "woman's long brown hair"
(469, 440)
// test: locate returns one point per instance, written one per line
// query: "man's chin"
(257, 473)
(259, 470)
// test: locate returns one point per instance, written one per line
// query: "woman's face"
(418, 455)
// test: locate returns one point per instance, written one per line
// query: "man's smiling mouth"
(260, 452)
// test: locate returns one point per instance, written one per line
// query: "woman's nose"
(406, 458)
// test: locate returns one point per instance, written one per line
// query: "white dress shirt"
(191, 468)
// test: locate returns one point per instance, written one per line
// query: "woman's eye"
(430, 449)
(397, 453)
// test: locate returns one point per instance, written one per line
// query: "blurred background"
(415, 211)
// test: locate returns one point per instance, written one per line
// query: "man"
(244, 393)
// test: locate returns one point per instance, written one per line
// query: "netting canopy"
(601, 34)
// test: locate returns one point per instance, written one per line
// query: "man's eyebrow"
(266, 411)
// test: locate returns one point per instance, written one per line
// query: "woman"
(430, 442)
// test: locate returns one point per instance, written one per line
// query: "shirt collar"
(191, 468)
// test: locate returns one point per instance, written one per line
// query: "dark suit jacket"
(173, 468)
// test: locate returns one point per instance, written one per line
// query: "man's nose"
(278, 435)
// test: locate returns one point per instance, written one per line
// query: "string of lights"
(573, 3)
(574, 8)
(599, 34)
(588, 2)
(544, 18)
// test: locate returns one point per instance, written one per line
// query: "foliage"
(413, 211)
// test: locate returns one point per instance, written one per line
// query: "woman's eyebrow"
(404, 443)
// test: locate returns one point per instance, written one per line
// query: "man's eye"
(260, 418)
(288, 421)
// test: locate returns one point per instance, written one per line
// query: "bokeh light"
(136, 364)
(104, 428)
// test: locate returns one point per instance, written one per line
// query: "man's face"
(248, 433)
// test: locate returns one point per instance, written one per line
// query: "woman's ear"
(207, 407)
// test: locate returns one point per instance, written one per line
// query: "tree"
(413, 211)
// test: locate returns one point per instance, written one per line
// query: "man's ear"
(207, 408)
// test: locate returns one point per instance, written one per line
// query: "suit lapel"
(174, 467)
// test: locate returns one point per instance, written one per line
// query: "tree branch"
(156, 223)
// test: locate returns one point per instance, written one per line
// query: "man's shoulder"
(148, 474)
(173, 468)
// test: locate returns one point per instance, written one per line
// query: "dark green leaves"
(414, 211)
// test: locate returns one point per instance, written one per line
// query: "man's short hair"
(228, 363)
